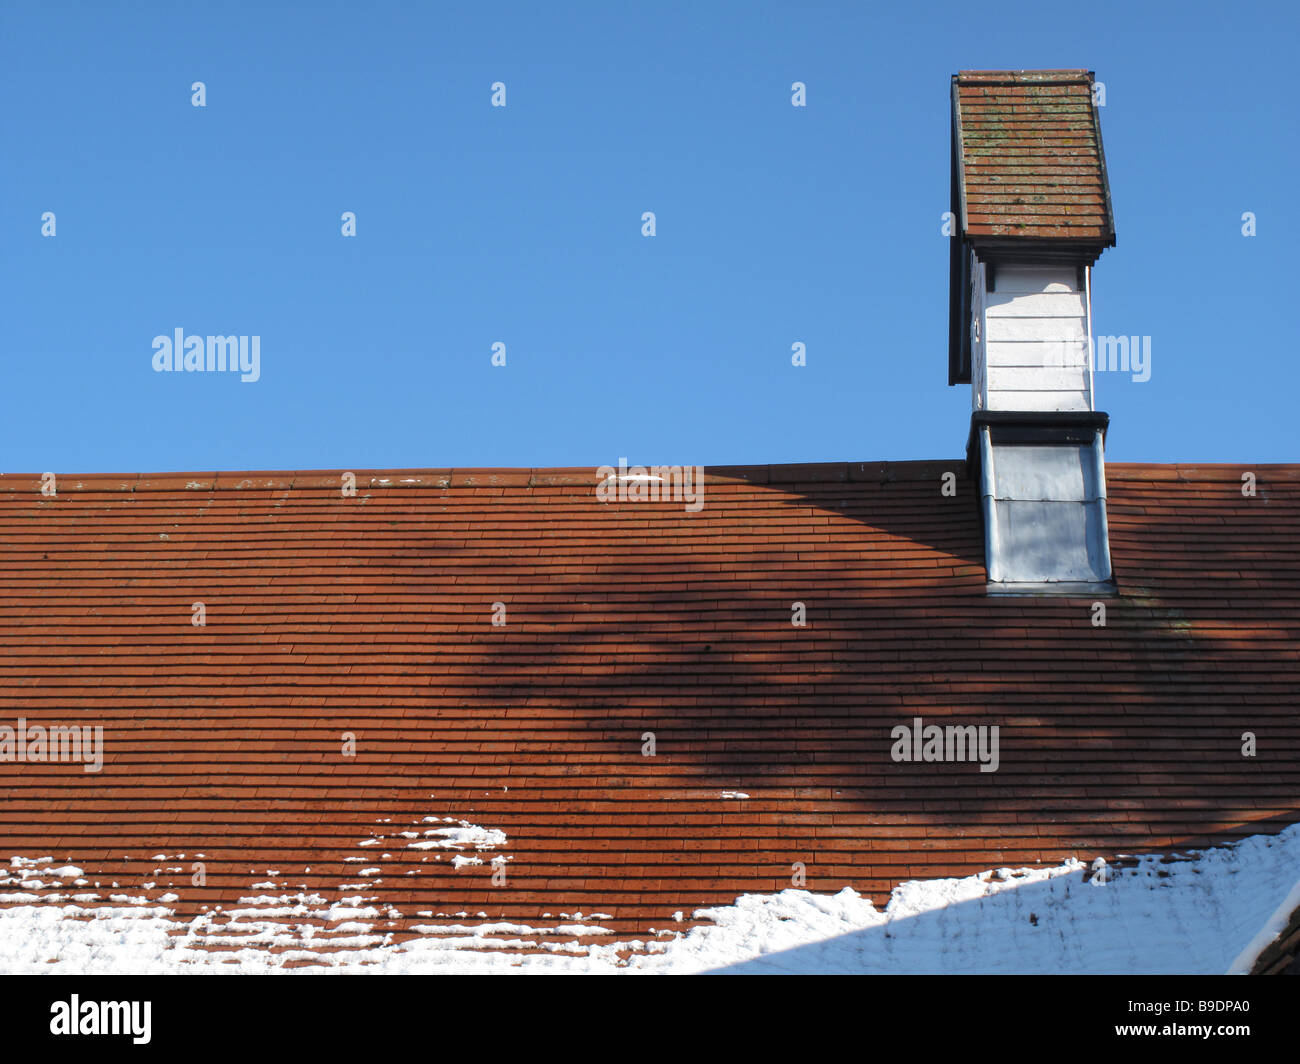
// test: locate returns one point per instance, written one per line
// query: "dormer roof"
(1028, 162)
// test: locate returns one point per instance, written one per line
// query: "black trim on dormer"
(1021, 426)
(1101, 159)
(959, 355)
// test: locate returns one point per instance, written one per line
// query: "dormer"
(1032, 207)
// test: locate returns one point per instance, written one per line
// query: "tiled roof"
(1031, 163)
(372, 615)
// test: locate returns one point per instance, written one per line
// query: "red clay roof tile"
(372, 615)
(1031, 163)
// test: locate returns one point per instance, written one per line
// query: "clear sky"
(523, 225)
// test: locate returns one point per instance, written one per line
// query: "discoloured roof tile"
(1031, 163)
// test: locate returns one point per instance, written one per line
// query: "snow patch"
(1188, 914)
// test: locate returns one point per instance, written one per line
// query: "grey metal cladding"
(1045, 542)
(1046, 509)
(1036, 472)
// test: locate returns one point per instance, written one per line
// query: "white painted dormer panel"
(1032, 324)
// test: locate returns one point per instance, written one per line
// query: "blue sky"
(522, 225)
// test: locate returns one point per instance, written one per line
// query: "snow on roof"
(1153, 915)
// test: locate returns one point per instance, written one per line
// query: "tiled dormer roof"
(1028, 158)
(372, 615)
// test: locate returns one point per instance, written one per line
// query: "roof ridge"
(531, 477)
